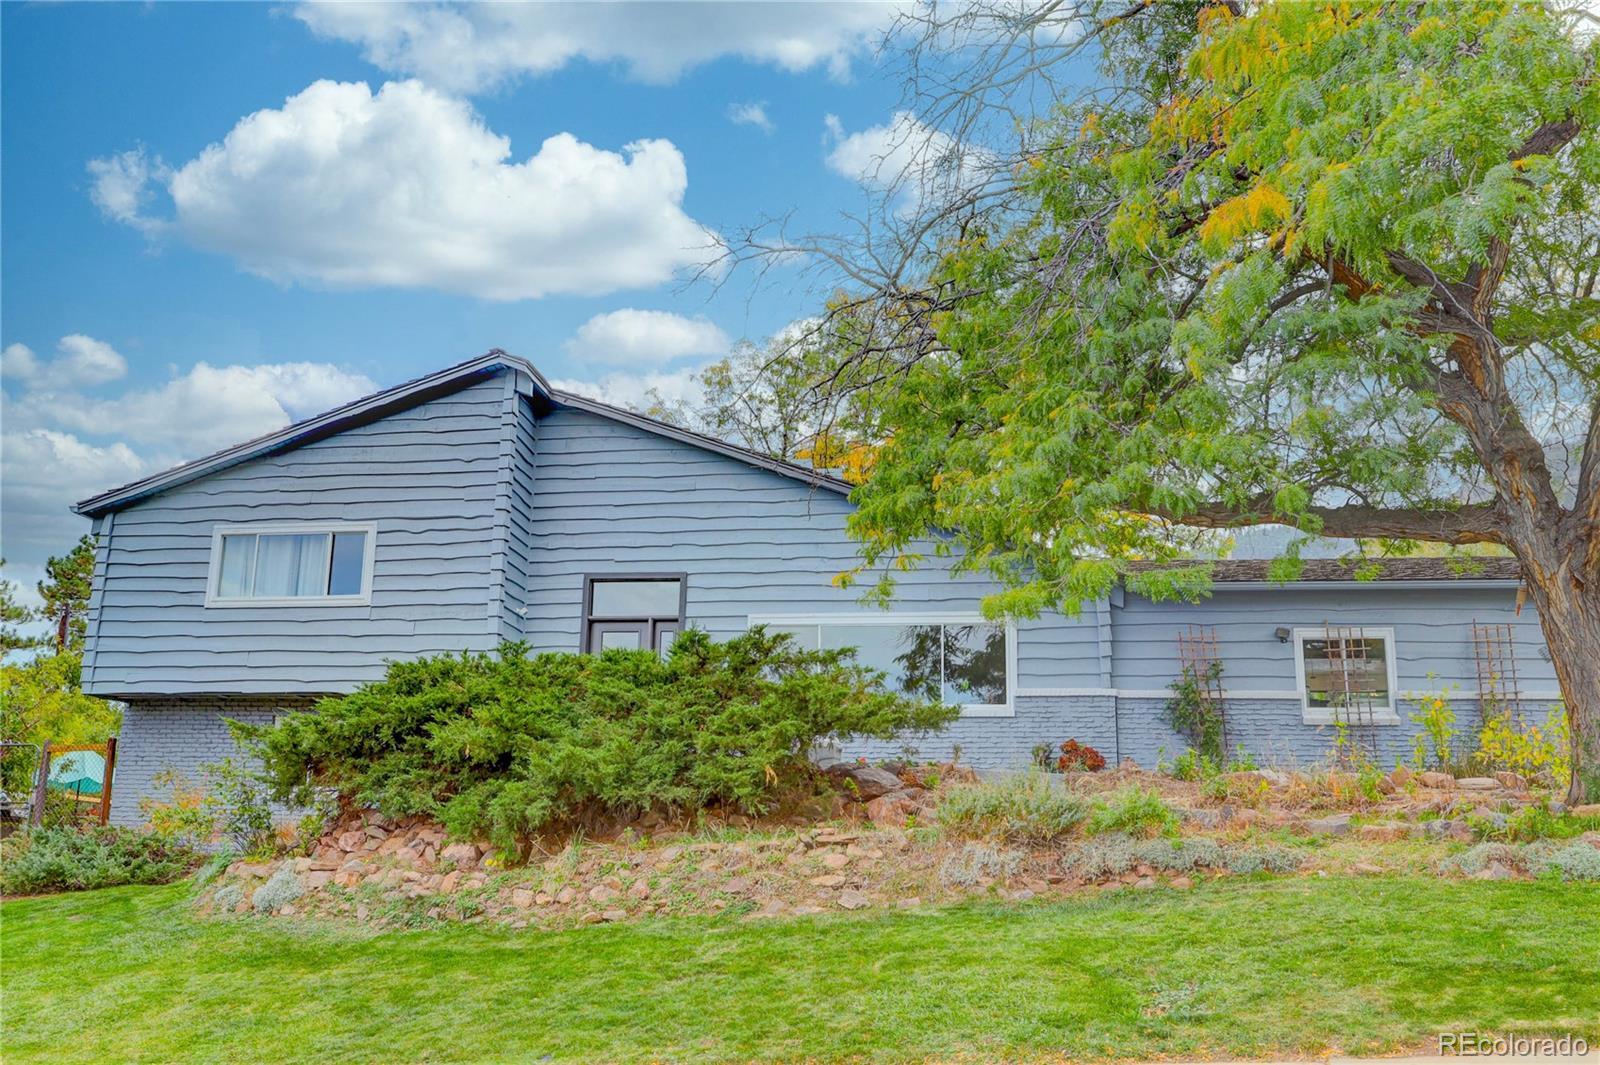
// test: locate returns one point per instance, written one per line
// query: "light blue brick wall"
(182, 733)
(1273, 731)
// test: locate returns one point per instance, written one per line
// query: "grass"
(1239, 967)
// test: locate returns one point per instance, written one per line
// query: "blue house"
(479, 504)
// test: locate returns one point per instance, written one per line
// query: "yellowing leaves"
(1249, 212)
(852, 461)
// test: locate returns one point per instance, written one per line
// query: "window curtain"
(291, 565)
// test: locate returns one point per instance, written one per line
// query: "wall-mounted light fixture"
(1282, 634)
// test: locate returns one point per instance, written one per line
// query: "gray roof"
(1240, 570)
(420, 390)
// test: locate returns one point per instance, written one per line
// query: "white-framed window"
(1346, 673)
(291, 564)
(959, 659)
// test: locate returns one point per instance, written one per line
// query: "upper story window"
(963, 661)
(633, 612)
(303, 564)
(1346, 673)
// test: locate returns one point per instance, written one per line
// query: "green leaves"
(1194, 318)
(504, 747)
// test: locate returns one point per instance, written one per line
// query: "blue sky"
(219, 217)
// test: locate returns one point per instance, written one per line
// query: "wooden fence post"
(105, 784)
(36, 814)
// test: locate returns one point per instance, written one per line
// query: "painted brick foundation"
(182, 733)
(187, 732)
(1271, 730)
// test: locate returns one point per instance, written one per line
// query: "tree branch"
(1477, 524)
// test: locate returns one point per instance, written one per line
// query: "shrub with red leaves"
(1079, 756)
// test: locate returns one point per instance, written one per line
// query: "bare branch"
(1478, 524)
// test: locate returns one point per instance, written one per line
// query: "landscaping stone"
(1510, 780)
(853, 900)
(1383, 833)
(893, 809)
(1590, 809)
(603, 893)
(1477, 784)
(869, 781)
(522, 898)
(1494, 871)
(831, 880)
(1400, 777)
(463, 854)
(1442, 781)
(1333, 825)
(835, 860)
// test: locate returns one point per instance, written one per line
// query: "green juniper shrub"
(1028, 806)
(65, 859)
(1135, 811)
(508, 746)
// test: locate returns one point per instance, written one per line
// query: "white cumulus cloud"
(634, 337)
(408, 188)
(905, 157)
(639, 391)
(80, 360)
(42, 472)
(60, 444)
(471, 47)
(751, 114)
(208, 407)
(122, 187)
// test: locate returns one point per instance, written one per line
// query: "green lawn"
(1236, 968)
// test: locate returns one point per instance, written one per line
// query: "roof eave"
(411, 393)
(806, 474)
(357, 412)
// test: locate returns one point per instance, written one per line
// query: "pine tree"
(65, 591)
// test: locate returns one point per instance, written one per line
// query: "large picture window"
(301, 565)
(962, 661)
(1346, 673)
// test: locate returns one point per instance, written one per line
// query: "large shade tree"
(1328, 265)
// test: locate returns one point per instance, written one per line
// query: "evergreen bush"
(65, 859)
(507, 746)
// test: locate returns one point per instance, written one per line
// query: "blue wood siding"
(611, 498)
(430, 477)
(1433, 634)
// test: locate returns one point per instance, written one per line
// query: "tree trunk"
(1570, 616)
